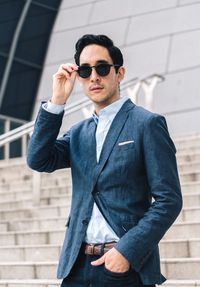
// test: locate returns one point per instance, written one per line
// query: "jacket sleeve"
(46, 152)
(163, 181)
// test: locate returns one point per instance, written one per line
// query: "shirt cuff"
(53, 108)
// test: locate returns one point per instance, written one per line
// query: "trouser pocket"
(121, 279)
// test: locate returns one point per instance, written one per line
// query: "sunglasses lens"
(84, 71)
(103, 69)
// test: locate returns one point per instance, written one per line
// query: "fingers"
(99, 261)
(69, 67)
(66, 71)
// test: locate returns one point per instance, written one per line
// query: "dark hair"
(101, 40)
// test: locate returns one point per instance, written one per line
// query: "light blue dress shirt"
(98, 231)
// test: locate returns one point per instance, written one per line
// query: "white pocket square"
(126, 142)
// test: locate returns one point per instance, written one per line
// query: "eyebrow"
(98, 62)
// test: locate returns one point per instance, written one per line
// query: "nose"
(94, 76)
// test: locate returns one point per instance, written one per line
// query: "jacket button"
(85, 221)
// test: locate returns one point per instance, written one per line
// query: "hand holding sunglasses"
(102, 69)
(63, 83)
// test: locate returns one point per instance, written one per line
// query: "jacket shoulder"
(142, 117)
(144, 114)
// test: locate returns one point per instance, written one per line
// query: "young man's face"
(102, 90)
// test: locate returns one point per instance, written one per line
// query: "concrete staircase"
(31, 235)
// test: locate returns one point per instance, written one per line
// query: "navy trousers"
(83, 274)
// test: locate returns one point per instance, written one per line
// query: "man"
(120, 159)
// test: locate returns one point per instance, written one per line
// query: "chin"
(98, 98)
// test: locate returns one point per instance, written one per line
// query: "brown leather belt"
(97, 249)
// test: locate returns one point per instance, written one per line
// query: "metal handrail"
(28, 127)
(12, 119)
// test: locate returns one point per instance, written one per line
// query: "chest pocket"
(124, 145)
(124, 150)
(122, 159)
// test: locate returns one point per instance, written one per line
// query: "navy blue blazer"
(123, 182)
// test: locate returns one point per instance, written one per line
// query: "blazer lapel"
(90, 141)
(112, 137)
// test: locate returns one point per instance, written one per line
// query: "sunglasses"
(102, 69)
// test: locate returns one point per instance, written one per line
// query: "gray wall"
(156, 36)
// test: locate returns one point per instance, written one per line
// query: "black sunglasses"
(102, 69)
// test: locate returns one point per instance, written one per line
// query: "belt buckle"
(91, 249)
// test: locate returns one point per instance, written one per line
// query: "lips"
(96, 88)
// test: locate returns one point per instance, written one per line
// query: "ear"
(121, 73)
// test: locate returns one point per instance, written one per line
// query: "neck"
(100, 106)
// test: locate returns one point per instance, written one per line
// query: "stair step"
(188, 166)
(28, 270)
(180, 248)
(184, 230)
(46, 189)
(188, 156)
(56, 283)
(36, 212)
(190, 176)
(182, 283)
(28, 202)
(189, 214)
(183, 139)
(33, 224)
(188, 144)
(187, 138)
(25, 193)
(55, 181)
(188, 149)
(18, 186)
(191, 199)
(181, 268)
(30, 283)
(16, 204)
(13, 173)
(34, 253)
(60, 190)
(190, 187)
(15, 195)
(32, 237)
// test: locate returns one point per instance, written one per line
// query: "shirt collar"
(110, 111)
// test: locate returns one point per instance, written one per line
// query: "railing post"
(24, 145)
(133, 92)
(7, 145)
(36, 187)
(148, 86)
